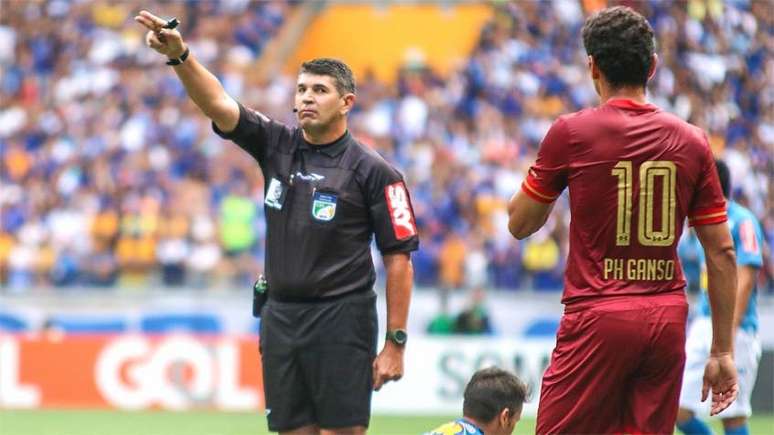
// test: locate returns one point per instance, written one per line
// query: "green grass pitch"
(88, 422)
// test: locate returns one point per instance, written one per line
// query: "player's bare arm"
(525, 215)
(746, 276)
(721, 274)
(202, 86)
(388, 365)
(720, 375)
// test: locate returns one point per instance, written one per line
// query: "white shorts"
(747, 355)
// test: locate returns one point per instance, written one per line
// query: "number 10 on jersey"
(651, 174)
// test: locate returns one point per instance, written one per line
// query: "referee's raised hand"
(168, 42)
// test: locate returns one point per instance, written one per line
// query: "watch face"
(400, 336)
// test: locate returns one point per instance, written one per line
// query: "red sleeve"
(547, 178)
(708, 205)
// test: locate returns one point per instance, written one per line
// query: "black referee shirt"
(322, 204)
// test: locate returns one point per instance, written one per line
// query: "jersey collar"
(472, 425)
(625, 103)
(331, 149)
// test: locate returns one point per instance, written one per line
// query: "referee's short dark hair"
(345, 80)
(490, 391)
(622, 44)
(725, 177)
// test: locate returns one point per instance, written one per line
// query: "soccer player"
(634, 174)
(493, 401)
(748, 239)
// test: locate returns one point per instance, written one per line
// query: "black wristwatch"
(397, 336)
(181, 59)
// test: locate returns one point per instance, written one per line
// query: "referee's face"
(318, 102)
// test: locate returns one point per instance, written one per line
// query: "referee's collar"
(331, 149)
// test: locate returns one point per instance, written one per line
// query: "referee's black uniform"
(323, 203)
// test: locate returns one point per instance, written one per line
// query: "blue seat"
(547, 281)
(12, 323)
(543, 327)
(199, 323)
(72, 324)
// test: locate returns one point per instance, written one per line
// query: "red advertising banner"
(130, 372)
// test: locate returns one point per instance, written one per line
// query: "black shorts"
(317, 361)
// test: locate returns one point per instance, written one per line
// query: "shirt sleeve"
(747, 242)
(390, 209)
(708, 205)
(547, 178)
(255, 133)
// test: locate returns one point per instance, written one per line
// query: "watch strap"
(181, 59)
(397, 336)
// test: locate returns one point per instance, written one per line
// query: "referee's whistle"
(171, 24)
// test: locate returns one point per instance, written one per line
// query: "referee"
(326, 195)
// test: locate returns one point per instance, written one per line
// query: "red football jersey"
(635, 173)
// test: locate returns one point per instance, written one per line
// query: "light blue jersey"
(748, 240)
(460, 426)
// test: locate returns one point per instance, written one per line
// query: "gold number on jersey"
(623, 170)
(650, 173)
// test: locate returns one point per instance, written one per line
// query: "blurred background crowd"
(111, 177)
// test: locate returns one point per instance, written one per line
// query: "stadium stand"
(111, 178)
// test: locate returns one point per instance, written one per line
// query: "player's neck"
(635, 94)
(326, 135)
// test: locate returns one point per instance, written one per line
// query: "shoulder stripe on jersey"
(704, 212)
(536, 193)
(715, 218)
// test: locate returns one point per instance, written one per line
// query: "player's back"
(634, 174)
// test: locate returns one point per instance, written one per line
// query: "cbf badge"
(323, 206)
(275, 194)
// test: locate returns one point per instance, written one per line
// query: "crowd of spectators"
(111, 177)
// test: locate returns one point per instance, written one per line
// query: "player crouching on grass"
(493, 402)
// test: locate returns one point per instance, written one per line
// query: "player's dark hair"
(491, 390)
(345, 80)
(725, 177)
(621, 42)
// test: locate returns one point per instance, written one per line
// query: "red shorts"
(616, 368)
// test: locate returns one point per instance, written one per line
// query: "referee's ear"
(348, 103)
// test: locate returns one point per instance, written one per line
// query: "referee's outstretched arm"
(202, 86)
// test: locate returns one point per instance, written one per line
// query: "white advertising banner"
(438, 368)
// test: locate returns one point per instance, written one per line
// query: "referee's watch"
(397, 336)
(181, 59)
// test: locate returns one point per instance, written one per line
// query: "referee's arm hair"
(201, 85)
(388, 365)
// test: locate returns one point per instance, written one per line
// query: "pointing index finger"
(158, 22)
(147, 23)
